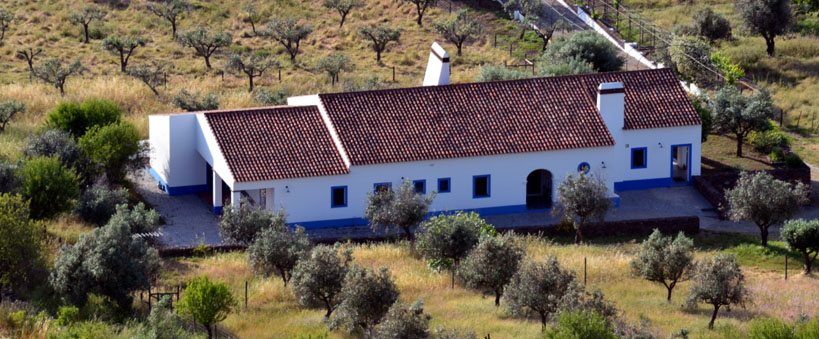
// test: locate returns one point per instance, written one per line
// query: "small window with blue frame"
(444, 185)
(639, 157)
(338, 196)
(420, 186)
(480, 186)
(382, 187)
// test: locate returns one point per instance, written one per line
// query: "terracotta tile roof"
(275, 143)
(478, 119)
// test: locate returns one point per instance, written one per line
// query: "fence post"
(245, 294)
(510, 47)
(584, 271)
(280, 75)
(629, 28)
(177, 293)
(149, 298)
(393, 73)
(496, 40)
(786, 267)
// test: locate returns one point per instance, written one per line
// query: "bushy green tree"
(318, 278)
(738, 114)
(123, 47)
(172, 11)
(580, 325)
(701, 106)
(289, 33)
(205, 42)
(588, 46)
(77, 119)
(404, 210)
(803, 236)
(55, 73)
(6, 16)
(106, 261)
(194, 102)
(98, 203)
(689, 55)
(50, 187)
(572, 66)
(241, 224)
(139, 219)
(153, 75)
(56, 142)
(538, 287)
(8, 109)
(458, 28)
(497, 73)
(664, 260)
(252, 64)
(421, 7)
(451, 237)
(379, 36)
(207, 302)
(343, 7)
(20, 248)
(267, 97)
(114, 149)
(366, 297)
(85, 16)
(708, 25)
(580, 199)
(334, 64)
(764, 200)
(404, 321)
(278, 248)
(768, 18)
(718, 281)
(765, 328)
(492, 263)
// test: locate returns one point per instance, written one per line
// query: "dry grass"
(719, 155)
(273, 312)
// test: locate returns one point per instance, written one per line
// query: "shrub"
(792, 160)
(497, 73)
(538, 287)
(207, 302)
(765, 328)
(163, 323)
(193, 102)
(60, 143)
(404, 209)
(9, 180)
(79, 118)
(765, 141)
(576, 65)
(710, 25)
(803, 236)
(718, 281)
(687, 53)
(580, 325)
(67, 315)
(20, 248)
(664, 260)
(267, 97)
(776, 155)
(492, 263)
(241, 224)
(588, 46)
(278, 248)
(317, 279)
(50, 187)
(114, 149)
(807, 328)
(139, 219)
(366, 297)
(404, 321)
(451, 237)
(99, 203)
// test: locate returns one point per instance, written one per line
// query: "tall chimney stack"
(611, 100)
(437, 67)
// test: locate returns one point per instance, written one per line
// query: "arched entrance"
(539, 190)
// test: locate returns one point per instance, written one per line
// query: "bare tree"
(6, 17)
(421, 7)
(152, 75)
(204, 42)
(289, 33)
(343, 7)
(252, 16)
(380, 36)
(171, 11)
(334, 64)
(459, 28)
(252, 65)
(28, 54)
(124, 47)
(53, 72)
(84, 17)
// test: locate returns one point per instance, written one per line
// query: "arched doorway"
(539, 190)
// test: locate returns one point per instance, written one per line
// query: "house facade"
(494, 147)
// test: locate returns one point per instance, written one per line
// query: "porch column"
(268, 199)
(217, 193)
(235, 198)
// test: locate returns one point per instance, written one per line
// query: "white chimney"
(437, 67)
(611, 99)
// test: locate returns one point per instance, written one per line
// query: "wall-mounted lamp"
(626, 145)
(287, 189)
(603, 164)
(660, 144)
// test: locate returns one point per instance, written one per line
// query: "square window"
(444, 185)
(480, 186)
(382, 187)
(638, 157)
(338, 196)
(420, 186)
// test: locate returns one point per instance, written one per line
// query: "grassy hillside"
(273, 312)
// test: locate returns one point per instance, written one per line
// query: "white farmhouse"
(494, 147)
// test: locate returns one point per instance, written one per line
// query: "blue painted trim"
(580, 167)
(642, 184)
(217, 210)
(332, 223)
(448, 185)
(690, 150)
(332, 196)
(488, 186)
(178, 190)
(645, 157)
(615, 201)
(375, 186)
(423, 183)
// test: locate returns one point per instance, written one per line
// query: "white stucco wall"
(172, 139)
(208, 150)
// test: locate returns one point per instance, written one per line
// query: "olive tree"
(764, 200)
(458, 28)
(421, 7)
(56, 142)
(530, 12)
(252, 16)
(6, 16)
(404, 210)
(252, 65)
(241, 224)
(580, 199)
(289, 33)
(334, 64)
(278, 248)
(492, 263)
(193, 102)
(718, 281)
(139, 219)
(366, 297)
(106, 261)
(99, 202)
(123, 47)
(379, 36)
(8, 109)
(319, 277)
(550, 68)
(28, 54)
(20, 248)
(343, 7)
(451, 237)
(207, 302)
(172, 11)
(204, 41)
(55, 73)
(85, 16)
(152, 75)
(404, 321)
(768, 18)
(738, 114)
(538, 287)
(803, 236)
(664, 260)
(588, 46)
(688, 55)
(708, 25)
